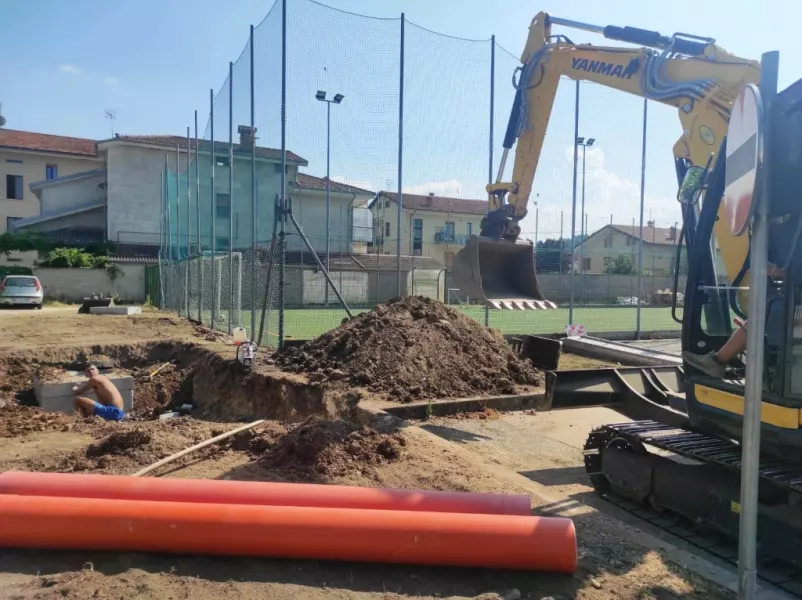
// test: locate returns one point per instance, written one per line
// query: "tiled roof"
(441, 204)
(661, 236)
(310, 182)
(44, 142)
(171, 141)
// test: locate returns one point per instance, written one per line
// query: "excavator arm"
(690, 73)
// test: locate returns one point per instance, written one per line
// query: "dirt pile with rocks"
(317, 449)
(18, 421)
(126, 447)
(414, 347)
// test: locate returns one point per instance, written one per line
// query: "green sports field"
(307, 323)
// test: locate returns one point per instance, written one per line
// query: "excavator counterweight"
(500, 274)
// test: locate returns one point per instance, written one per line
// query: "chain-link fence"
(344, 162)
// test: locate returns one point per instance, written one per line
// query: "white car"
(21, 290)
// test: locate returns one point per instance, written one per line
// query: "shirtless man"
(109, 404)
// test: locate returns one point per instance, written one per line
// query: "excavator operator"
(714, 363)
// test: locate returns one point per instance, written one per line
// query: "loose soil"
(293, 447)
(413, 348)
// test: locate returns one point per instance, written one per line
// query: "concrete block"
(56, 395)
(115, 310)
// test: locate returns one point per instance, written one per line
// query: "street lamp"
(338, 98)
(585, 143)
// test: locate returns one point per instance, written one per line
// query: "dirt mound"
(131, 446)
(319, 447)
(17, 421)
(414, 347)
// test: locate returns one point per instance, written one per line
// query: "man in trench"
(109, 404)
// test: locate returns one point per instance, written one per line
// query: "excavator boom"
(690, 73)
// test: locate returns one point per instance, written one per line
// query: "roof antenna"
(111, 114)
(2, 118)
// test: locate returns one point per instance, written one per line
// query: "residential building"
(122, 200)
(27, 157)
(433, 226)
(605, 244)
(350, 229)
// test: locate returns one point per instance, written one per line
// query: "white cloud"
(111, 80)
(452, 187)
(71, 69)
(608, 193)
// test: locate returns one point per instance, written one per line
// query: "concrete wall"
(75, 284)
(603, 289)
(32, 168)
(309, 208)
(67, 194)
(96, 219)
(134, 193)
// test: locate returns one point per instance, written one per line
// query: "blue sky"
(154, 62)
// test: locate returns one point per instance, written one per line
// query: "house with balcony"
(432, 226)
(27, 157)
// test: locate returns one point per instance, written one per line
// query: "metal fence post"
(213, 201)
(254, 199)
(490, 136)
(198, 219)
(758, 254)
(282, 198)
(231, 197)
(640, 231)
(189, 234)
(573, 207)
(561, 245)
(400, 156)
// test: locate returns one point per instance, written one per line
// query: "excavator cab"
(500, 274)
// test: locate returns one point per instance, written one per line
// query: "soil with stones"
(18, 421)
(414, 347)
(318, 448)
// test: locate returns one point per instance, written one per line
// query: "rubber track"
(707, 449)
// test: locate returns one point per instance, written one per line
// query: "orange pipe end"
(115, 487)
(404, 537)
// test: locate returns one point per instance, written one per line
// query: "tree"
(622, 264)
(22, 242)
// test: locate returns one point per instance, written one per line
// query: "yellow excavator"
(680, 454)
(688, 72)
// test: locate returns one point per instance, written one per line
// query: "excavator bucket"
(499, 274)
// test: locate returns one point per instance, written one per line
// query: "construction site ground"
(311, 436)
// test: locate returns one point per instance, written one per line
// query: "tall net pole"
(640, 229)
(280, 213)
(189, 234)
(212, 207)
(254, 198)
(400, 157)
(490, 134)
(573, 208)
(198, 223)
(230, 197)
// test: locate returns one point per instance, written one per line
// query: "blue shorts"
(109, 413)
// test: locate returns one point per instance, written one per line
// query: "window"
(13, 161)
(387, 229)
(607, 261)
(278, 169)
(386, 204)
(417, 237)
(586, 264)
(222, 161)
(608, 241)
(14, 187)
(630, 241)
(222, 206)
(221, 243)
(469, 229)
(10, 222)
(450, 229)
(51, 172)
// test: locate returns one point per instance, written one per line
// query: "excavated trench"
(168, 375)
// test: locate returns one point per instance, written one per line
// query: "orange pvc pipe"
(425, 538)
(115, 487)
